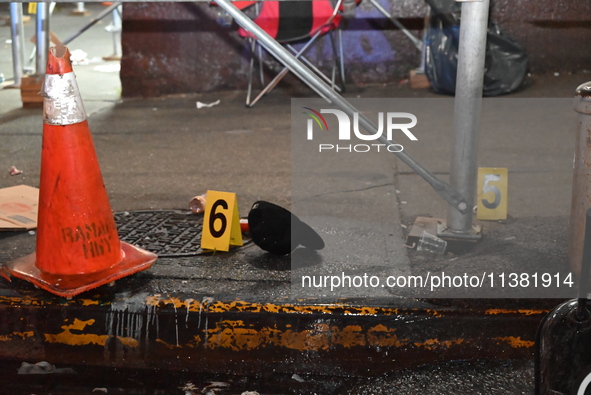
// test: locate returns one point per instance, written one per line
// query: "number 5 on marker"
(221, 223)
(492, 193)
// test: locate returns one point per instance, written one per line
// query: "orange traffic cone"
(78, 247)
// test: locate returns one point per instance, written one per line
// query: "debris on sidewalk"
(420, 226)
(297, 378)
(431, 243)
(13, 171)
(211, 388)
(201, 105)
(197, 204)
(79, 57)
(43, 368)
(18, 207)
(30, 87)
(108, 68)
(189, 388)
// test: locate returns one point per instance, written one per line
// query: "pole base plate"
(456, 242)
(472, 236)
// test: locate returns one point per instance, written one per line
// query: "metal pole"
(79, 8)
(468, 100)
(294, 65)
(117, 31)
(417, 43)
(42, 37)
(581, 196)
(100, 16)
(18, 43)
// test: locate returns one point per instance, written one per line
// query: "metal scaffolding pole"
(41, 37)
(116, 31)
(448, 193)
(92, 22)
(80, 10)
(417, 43)
(18, 42)
(468, 100)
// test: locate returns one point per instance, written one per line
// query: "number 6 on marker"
(492, 193)
(221, 222)
(214, 215)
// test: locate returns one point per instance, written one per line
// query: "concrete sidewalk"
(158, 153)
(238, 309)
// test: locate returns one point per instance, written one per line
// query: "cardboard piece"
(32, 85)
(422, 224)
(18, 208)
(419, 80)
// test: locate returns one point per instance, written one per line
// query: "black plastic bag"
(505, 63)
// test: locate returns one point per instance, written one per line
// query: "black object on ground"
(506, 62)
(271, 228)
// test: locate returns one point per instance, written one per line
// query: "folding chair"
(295, 21)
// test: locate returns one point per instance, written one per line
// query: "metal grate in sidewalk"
(167, 233)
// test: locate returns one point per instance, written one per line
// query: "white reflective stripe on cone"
(62, 104)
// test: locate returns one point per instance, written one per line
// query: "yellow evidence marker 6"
(221, 223)
(492, 193)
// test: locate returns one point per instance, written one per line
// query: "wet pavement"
(232, 319)
(474, 377)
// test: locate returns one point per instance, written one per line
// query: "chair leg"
(333, 71)
(299, 55)
(341, 58)
(280, 75)
(269, 87)
(250, 71)
(255, 51)
(314, 69)
(261, 73)
(338, 57)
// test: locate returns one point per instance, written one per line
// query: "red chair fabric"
(287, 21)
(243, 4)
